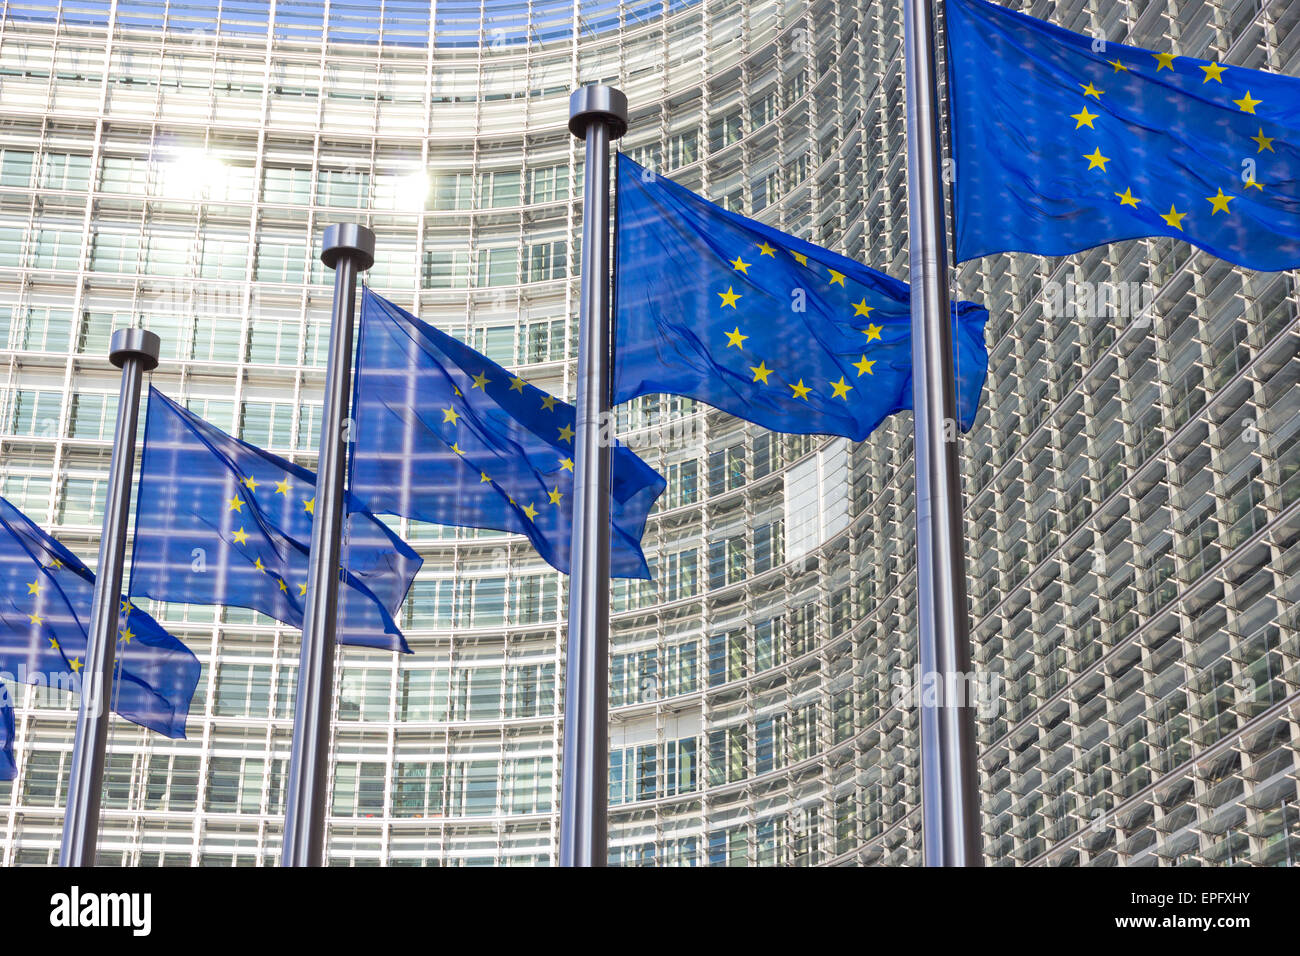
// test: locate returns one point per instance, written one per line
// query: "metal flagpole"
(134, 351)
(348, 249)
(597, 114)
(950, 830)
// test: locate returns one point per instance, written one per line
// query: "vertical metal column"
(597, 114)
(950, 797)
(348, 249)
(134, 351)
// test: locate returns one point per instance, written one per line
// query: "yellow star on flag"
(250, 483)
(480, 381)
(517, 384)
(1174, 217)
(259, 565)
(761, 372)
(237, 504)
(1090, 90)
(800, 258)
(309, 505)
(1251, 184)
(1118, 66)
(530, 511)
(76, 665)
(34, 587)
(566, 434)
(735, 338)
(1219, 202)
(1265, 142)
(836, 277)
(1096, 160)
(864, 366)
(302, 590)
(54, 645)
(282, 487)
(1126, 198)
(840, 389)
(1247, 104)
(861, 308)
(872, 332)
(457, 449)
(240, 536)
(1213, 72)
(1084, 118)
(450, 415)
(765, 250)
(483, 478)
(740, 265)
(729, 298)
(566, 464)
(801, 390)
(1164, 61)
(36, 619)
(126, 635)
(556, 495)
(548, 403)
(284, 587)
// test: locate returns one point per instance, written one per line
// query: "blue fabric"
(765, 326)
(1062, 144)
(45, 598)
(444, 434)
(8, 767)
(222, 522)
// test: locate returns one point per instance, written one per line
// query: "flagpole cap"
(134, 344)
(348, 239)
(597, 103)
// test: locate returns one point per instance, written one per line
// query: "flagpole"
(597, 114)
(134, 351)
(348, 249)
(950, 829)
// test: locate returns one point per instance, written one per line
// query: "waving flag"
(1063, 142)
(763, 325)
(222, 522)
(444, 434)
(45, 598)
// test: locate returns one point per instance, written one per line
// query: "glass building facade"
(1132, 485)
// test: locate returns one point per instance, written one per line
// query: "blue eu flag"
(8, 768)
(222, 522)
(763, 325)
(45, 597)
(1063, 142)
(444, 434)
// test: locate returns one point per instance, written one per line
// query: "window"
(546, 342)
(93, 415)
(445, 268)
(498, 266)
(547, 260)
(286, 185)
(501, 188)
(35, 413)
(266, 424)
(16, 168)
(347, 188)
(548, 184)
(243, 690)
(418, 788)
(422, 694)
(726, 469)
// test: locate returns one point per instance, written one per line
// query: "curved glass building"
(1132, 485)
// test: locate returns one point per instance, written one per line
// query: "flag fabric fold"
(444, 434)
(220, 521)
(1063, 142)
(8, 766)
(763, 325)
(45, 601)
